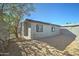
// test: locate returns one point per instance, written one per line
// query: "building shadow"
(60, 41)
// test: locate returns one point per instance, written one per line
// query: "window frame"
(39, 28)
(52, 28)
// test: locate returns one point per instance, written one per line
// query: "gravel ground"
(32, 48)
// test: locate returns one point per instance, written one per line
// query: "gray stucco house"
(32, 29)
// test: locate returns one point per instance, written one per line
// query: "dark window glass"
(53, 29)
(39, 28)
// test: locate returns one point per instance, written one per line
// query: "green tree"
(12, 14)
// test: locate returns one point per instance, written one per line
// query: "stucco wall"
(46, 31)
(74, 30)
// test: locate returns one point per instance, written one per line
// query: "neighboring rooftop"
(40, 22)
(71, 25)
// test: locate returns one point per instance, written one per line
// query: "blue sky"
(56, 13)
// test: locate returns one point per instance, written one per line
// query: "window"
(39, 28)
(53, 29)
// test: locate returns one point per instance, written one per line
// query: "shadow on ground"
(60, 41)
(14, 49)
